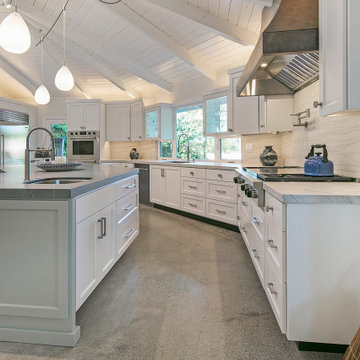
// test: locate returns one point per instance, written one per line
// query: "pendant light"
(15, 35)
(64, 79)
(42, 95)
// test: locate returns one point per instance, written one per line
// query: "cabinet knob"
(230, 130)
(317, 104)
(139, 137)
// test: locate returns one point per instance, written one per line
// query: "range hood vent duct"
(286, 57)
(10, 117)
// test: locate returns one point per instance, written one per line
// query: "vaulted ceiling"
(135, 48)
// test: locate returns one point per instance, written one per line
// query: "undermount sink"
(59, 181)
(179, 162)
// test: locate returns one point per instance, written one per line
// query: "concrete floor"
(183, 291)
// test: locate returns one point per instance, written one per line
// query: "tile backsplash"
(341, 134)
(121, 150)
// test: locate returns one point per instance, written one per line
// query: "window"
(189, 121)
(216, 114)
(230, 148)
(166, 149)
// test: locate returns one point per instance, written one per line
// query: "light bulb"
(42, 95)
(64, 79)
(15, 34)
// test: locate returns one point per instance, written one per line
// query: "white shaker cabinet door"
(118, 122)
(173, 187)
(92, 116)
(157, 185)
(246, 115)
(137, 121)
(86, 234)
(105, 243)
(75, 116)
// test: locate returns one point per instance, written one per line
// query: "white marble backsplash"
(341, 134)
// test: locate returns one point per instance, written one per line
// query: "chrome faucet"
(28, 151)
(188, 145)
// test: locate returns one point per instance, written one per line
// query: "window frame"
(173, 143)
(220, 148)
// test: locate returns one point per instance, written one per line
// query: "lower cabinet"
(103, 237)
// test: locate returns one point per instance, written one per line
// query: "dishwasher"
(144, 183)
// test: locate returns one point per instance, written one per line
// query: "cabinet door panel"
(75, 116)
(157, 185)
(137, 121)
(173, 186)
(92, 116)
(118, 122)
(86, 234)
(152, 120)
(246, 115)
(105, 244)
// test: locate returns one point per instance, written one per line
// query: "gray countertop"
(12, 186)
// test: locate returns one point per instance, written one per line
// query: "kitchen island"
(58, 241)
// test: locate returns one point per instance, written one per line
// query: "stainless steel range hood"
(11, 117)
(286, 57)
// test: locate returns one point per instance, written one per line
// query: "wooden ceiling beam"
(147, 28)
(214, 23)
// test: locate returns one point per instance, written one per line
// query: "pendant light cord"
(55, 22)
(64, 33)
(42, 59)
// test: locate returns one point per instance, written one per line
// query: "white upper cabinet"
(137, 121)
(246, 115)
(125, 121)
(84, 115)
(159, 122)
(339, 29)
(215, 113)
(118, 122)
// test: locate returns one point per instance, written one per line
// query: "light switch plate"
(249, 147)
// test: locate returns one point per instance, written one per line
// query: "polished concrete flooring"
(183, 291)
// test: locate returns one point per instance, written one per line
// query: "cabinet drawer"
(276, 292)
(126, 206)
(193, 205)
(275, 247)
(193, 187)
(127, 231)
(126, 187)
(193, 173)
(274, 209)
(258, 220)
(219, 190)
(257, 252)
(220, 175)
(222, 211)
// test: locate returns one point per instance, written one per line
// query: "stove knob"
(253, 194)
(245, 187)
(238, 180)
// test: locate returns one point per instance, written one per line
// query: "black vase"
(134, 155)
(269, 156)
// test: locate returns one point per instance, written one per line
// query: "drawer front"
(97, 200)
(276, 292)
(244, 204)
(222, 211)
(257, 252)
(243, 225)
(221, 191)
(275, 240)
(194, 205)
(127, 206)
(258, 221)
(193, 173)
(127, 231)
(220, 175)
(193, 187)
(274, 209)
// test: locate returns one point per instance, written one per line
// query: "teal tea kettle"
(317, 165)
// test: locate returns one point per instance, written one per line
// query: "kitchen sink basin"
(179, 162)
(59, 181)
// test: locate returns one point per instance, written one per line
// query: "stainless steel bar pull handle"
(193, 187)
(270, 286)
(221, 191)
(129, 207)
(105, 223)
(128, 186)
(132, 231)
(271, 244)
(256, 220)
(254, 252)
(193, 205)
(101, 236)
(220, 211)
(269, 208)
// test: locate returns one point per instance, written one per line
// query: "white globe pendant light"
(64, 79)
(42, 95)
(15, 35)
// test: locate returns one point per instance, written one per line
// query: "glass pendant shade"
(42, 95)
(64, 79)
(15, 35)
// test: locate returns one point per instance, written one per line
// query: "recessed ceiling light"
(263, 65)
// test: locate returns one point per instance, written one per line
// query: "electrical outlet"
(249, 147)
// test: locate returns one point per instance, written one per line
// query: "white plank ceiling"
(136, 47)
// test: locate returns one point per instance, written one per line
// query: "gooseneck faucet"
(188, 145)
(28, 151)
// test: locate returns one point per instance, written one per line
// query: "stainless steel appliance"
(144, 183)
(84, 146)
(251, 179)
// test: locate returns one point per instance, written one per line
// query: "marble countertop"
(12, 186)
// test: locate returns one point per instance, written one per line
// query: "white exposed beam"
(267, 3)
(18, 75)
(163, 39)
(91, 47)
(220, 26)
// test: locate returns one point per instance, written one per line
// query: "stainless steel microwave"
(84, 145)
